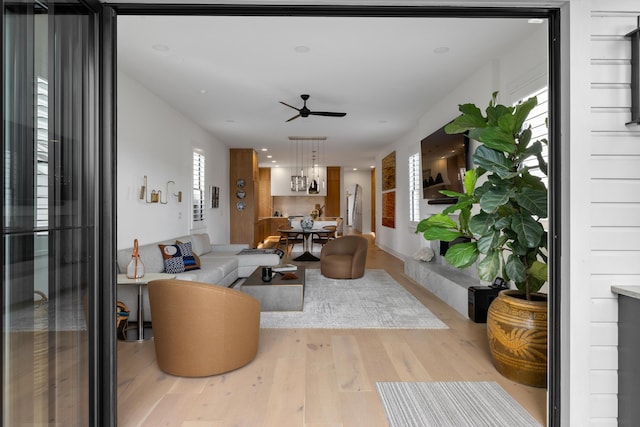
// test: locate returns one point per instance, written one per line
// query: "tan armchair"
(201, 329)
(344, 257)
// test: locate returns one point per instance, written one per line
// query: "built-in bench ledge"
(445, 282)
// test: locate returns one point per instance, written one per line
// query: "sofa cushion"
(200, 243)
(179, 258)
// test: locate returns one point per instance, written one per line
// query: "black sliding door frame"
(554, 73)
(77, 216)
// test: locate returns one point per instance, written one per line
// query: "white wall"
(281, 183)
(363, 178)
(504, 74)
(603, 222)
(157, 141)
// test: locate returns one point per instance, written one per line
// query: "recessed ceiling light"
(355, 169)
(274, 161)
(372, 166)
(269, 156)
(302, 49)
(440, 50)
(263, 149)
(160, 47)
(203, 91)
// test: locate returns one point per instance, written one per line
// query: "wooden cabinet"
(243, 195)
(261, 230)
(265, 207)
(277, 223)
(332, 201)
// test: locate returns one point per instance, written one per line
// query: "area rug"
(66, 315)
(375, 301)
(451, 404)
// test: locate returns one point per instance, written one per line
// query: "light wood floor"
(315, 377)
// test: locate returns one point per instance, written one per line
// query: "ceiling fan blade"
(294, 117)
(290, 106)
(327, 113)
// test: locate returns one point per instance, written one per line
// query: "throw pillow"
(178, 258)
(187, 254)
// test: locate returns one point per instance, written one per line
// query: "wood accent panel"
(332, 201)
(261, 230)
(277, 223)
(243, 165)
(373, 200)
(265, 204)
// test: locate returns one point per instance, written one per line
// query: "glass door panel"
(48, 248)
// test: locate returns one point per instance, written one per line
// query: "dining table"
(307, 240)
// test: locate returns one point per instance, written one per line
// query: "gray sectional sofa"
(220, 264)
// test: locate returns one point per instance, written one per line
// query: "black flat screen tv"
(444, 163)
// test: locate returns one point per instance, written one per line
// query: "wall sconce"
(635, 74)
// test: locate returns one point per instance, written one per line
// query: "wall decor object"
(240, 183)
(215, 196)
(635, 74)
(389, 172)
(241, 206)
(389, 209)
(155, 196)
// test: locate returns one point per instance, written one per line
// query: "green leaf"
(495, 198)
(507, 122)
(533, 200)
(515, 269)
(529, 230)
(470, 118)
(493, 161)
(502, 223)
(489, 267)
(439, 233)
(488, 242)
(463, 202)
(470, 179)
(522, 111)
(533, 181)
(480, 223)
(498, 139)
(539, 270)
(463, 218)
(496, 111)
(441, 220)
(462, 255)
(527, 150)
(451, 193)
(470, 110)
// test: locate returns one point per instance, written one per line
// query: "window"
(539, 129)
(414, 187)
(198, 187)
(42, 153)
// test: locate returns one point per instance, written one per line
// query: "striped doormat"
(451, 404)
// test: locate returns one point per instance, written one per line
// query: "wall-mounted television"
(444, 163)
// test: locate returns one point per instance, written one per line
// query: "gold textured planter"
(517, 331)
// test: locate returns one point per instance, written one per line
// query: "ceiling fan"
(305, 112)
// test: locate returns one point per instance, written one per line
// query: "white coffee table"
(139, 334)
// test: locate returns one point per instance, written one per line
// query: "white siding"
(615, 195)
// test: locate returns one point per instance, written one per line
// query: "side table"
(139, 334)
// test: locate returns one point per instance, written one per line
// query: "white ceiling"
(228, 73)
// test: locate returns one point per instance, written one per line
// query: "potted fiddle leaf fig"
(499, 216)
